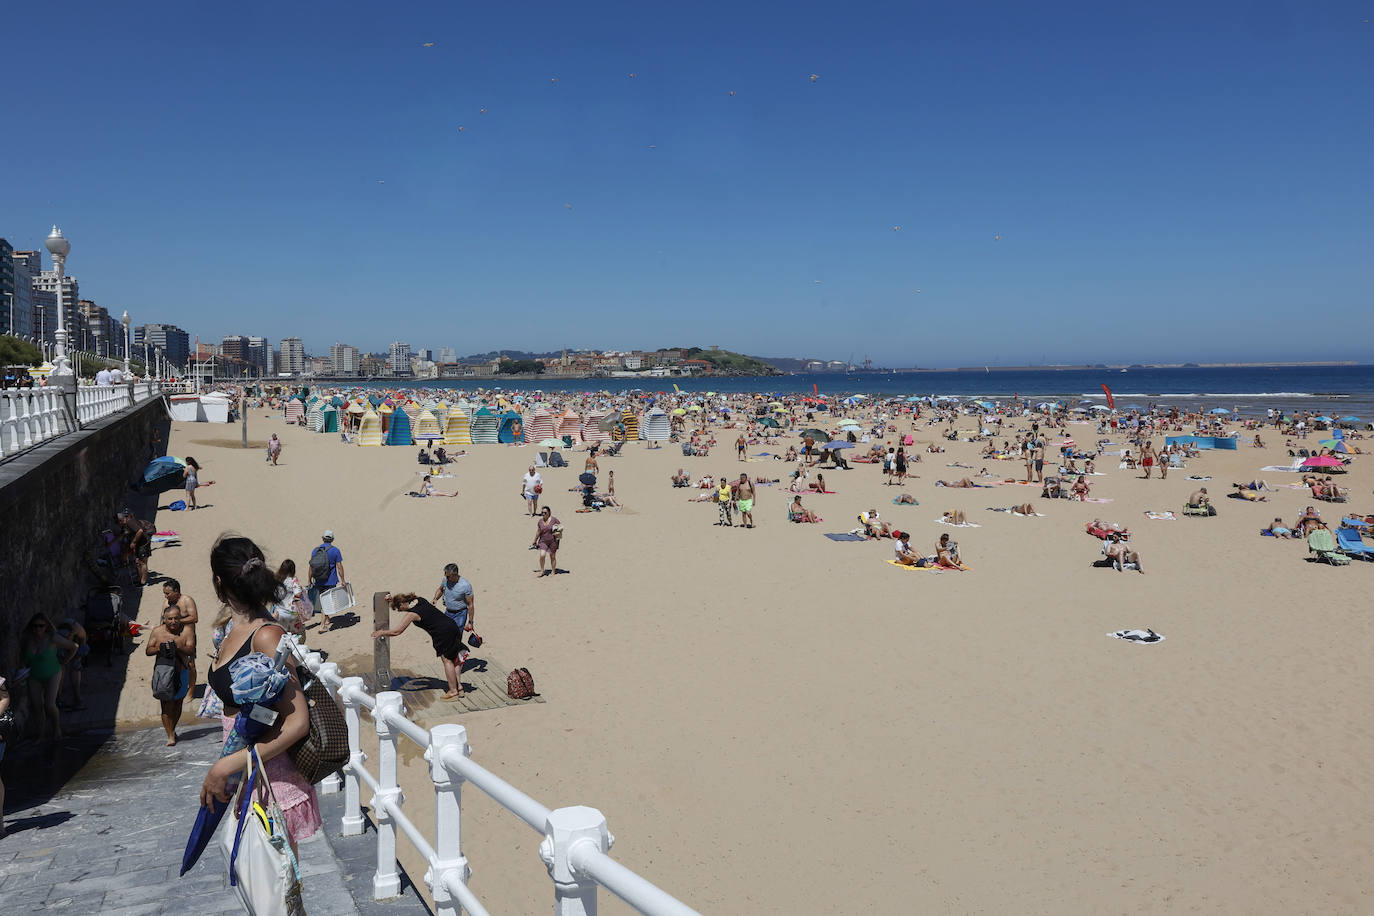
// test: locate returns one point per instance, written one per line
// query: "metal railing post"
(353, 812)
(448, 845)
(329, 676)
(386, 882)
(566, 829)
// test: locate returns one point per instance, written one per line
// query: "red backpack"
(520, 684)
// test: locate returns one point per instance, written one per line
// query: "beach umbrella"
(1322, 419)
(837, 443)
(551, 443)
(1219, 410)
(162, 467)
(695, 408)
(768, 421)
(1336, 445)
(1350, 419)
(814, 434)
(1322, 461)
(587, 479)
(679, 411)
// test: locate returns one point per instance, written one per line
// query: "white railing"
(29, 416)
(575, 839)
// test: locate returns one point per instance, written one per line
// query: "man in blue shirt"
(459, 601)
(326, 572)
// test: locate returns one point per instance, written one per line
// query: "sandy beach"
(773, 722)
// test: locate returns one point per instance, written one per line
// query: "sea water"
(1335, 391)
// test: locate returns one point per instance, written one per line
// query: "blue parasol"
(838, 443)
(258, 681)
(162, 467)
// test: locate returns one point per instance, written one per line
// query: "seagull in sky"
(732, 92)
(896, 228)
(997, 237)
(428, 44)
(482, 111)
(815, 76)
(460, 128)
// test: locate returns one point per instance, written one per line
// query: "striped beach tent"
(512, 428)
(312, 414)
(540, 426)
(370, 430)
(457, 430)
(427, 427)
(295, 409)
(398, 433)
(631, 423)
(591, 427)
(329, 420)
(484, 427)
(570, 424)
(656, 426)
(412, 410)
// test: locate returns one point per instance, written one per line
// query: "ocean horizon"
(1345, 389)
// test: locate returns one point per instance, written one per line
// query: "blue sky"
(1169, 182)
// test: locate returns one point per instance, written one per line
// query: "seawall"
(54, 501)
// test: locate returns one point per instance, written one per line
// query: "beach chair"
(556, 460)
(1349, 542)
(1358, 523)
(614, 450)
(1202, 511)
(1323, 545)
(542, 461)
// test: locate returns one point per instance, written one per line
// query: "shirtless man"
(1120, 554)
(739, 447)
(1199, 499)
(186, 610)
(744, 494)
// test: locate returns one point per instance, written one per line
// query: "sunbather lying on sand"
(1247, 495)
(962, 483)
(954, 517)
(873, 526)
(1023, 509)
(1279, 530)
(906, 499)
(1121, 554)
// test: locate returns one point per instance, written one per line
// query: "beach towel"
(1166, 515)
(941, 521)
(917, 568)
(1277, 468)
(1198, 477)
(164, 539)
(1017, 514)
(1142, 636)
(763, 454)
(847, 536)
(1096, 499)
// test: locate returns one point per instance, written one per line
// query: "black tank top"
(219, 678)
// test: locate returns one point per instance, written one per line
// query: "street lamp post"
(59, 248)
(125, 321)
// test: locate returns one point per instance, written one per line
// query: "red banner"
(1111, 401)
(815, 389)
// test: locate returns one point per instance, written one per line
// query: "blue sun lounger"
(1349, 542)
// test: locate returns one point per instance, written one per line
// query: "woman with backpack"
(174, 644)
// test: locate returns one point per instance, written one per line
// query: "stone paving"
(110, 839)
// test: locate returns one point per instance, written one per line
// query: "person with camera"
(174, 644)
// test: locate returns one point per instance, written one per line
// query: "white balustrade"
(576, 839)
(29, 416)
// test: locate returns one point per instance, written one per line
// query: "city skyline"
(953, 185)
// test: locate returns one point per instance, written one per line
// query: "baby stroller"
(105, 625)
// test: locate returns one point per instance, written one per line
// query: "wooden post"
(243, 414)
(381, 646)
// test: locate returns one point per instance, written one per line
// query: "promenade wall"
(54, 500)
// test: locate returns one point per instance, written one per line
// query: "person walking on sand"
(273, 449)
(185, 607)
(326, 572)
(530, 488)
(725, 501)
(458, 600)
(137, 542)
(744, 492)
(173, 637)
(547, 535)
(739, 447)
(1147, 457)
